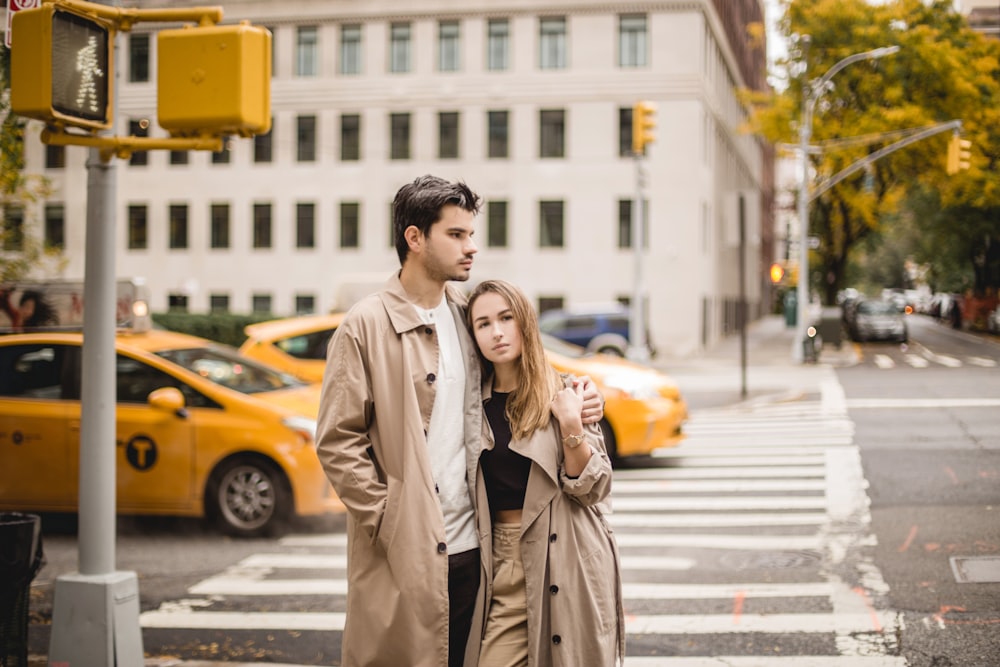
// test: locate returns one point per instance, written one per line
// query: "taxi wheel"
(248, 497)
(609, 442)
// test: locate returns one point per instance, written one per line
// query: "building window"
(138, 128)
(350, 49)
(350, 225)
(219, 226)
(138, 225)
(552, 43)
(625, 208)
(497, 44)
(305, 304)
(399, 141)
(55, 226)
(350, 137)
(261, 225)
(223, 156)
(218, 303)
(497, 131)
(177, 303)
(55, 157)
(625, 132)
(178, 221)
(263, 145)
(307, 51)
(448, 135)
(449, 46)
(550, 224)
(632, 40)
(496, 224)
(138, 57)
(178, 157)
(261, 303)
(306, 127)
(547, 303)
(399, 47)
(13, 228)
(551, 133)
(305, 225)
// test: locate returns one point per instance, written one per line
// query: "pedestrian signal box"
(214, 80)
(61, 67)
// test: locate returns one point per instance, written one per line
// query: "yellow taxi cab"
(201, 431)
(643, 410)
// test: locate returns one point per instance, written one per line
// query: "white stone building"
(527, 101)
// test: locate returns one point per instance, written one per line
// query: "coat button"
(552, 537)
(442, 547)
(556, 639)
(428, 331)
(430, 378)
(553, 589)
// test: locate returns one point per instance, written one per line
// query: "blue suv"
(603, 330)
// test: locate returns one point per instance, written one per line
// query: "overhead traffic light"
(643, 124)
(61, 67)
(215, 80)
(959, 153)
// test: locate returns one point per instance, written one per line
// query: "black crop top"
(505, 472)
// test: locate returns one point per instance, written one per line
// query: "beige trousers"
(505, 643)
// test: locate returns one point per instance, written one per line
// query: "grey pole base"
(95, 621)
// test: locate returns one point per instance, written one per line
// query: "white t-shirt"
(446, 435)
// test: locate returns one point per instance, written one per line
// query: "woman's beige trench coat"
(572, 568)
(375, 408)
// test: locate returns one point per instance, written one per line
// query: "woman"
(555, 597)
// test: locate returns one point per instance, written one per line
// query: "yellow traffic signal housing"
(62, 67)
(777, 273)
(643, 124)
(959, 153)
(214, 80)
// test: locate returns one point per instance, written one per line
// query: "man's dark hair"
(418, 204)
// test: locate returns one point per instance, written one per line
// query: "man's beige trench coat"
(572, 568)
(378, 392)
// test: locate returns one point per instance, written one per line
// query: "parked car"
(993, 321)
(643, 410)
(200, 431)
(602, 329)
(878, 320)
(296, 345)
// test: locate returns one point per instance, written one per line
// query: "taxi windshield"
(230, 370)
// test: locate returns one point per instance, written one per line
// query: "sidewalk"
(715, 377)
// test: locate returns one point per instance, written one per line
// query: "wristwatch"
(574, 441)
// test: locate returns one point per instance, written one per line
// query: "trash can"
(791, 305)
(831, 326)
(20, 559)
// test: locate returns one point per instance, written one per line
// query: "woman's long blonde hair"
(538, 382)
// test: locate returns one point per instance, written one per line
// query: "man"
(399, 437)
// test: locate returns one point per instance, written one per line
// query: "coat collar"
(403, 315)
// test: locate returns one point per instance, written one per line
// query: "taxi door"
(39, 469)
(155, 447)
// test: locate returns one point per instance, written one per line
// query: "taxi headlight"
(303, 426)
(633, 386)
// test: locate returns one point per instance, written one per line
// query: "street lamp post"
(811, 92)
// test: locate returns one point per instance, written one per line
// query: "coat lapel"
(543, 481)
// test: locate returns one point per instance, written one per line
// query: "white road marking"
(982, 361)
(735, 520)
(883, 361)
(766, 661)
(916, 361)
(922, 403)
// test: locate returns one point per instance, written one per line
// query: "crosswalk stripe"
(635, 520)
(750, 459)
(735, 504)
(653, 474)
(982, 361)
(178, 617)
(245, 584)
(922, 403)
(943, 359)
(916, 361)
(625, 487)
(766, 661)
(883, 361)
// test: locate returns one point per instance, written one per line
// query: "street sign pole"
(95, 617)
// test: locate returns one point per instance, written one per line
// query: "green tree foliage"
(21, 251)
(944, 71)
